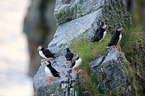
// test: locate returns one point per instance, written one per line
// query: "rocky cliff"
(78, 19)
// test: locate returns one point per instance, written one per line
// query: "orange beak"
(122, 29)
(107, 25)
(37, 49)
(75, 58)
(44, 62)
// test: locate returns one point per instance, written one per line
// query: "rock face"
(79, 19)
(52, 88)
(39, 26)
(111, 70)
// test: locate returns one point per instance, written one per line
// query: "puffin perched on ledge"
(100, 32)
(45, 53)
(77, 63)
(69, 56)
(50, 71)
(116, 38)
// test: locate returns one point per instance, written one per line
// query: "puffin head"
(119, 29)
(76, 57)
(40, 48)
(102, 24)
(67, 50)
(47, 63)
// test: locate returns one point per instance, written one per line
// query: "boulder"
(111, 70)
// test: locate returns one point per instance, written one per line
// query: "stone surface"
(86, 15)
(111, 70)
(52, 88)
(78, 28)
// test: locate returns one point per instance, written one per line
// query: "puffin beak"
(75, 58)
(44, 62)
(107, 25)
(37, 49)
(122, 29)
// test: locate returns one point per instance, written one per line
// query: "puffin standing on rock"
(45, 53)
(77, 63)
(69, 56)
(116, 38)
(100, 32)
(50, 71)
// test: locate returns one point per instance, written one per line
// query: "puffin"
(69, 56)
(45, 53)
(116, 38)
(50, 71)
(100, 32)
(77, 63)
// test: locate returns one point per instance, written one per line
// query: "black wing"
(113, 40)
(73, 63)
(48, 53)
(54, 72)
(98, 35)
(96, 31)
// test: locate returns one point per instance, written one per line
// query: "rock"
(74, 29)
(83, 25)
(115, 14)
(52, 88)
(111, 70)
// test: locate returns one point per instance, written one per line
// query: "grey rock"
(111, 70)
(78, 28)
(86, 16)
(52, 88)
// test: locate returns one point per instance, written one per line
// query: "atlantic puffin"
(100, 32)
(116, 38)
(50, 71)
(77, 63)
(69, 56)
(45, 53)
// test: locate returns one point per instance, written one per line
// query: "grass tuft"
(89, 51)
(133, 47)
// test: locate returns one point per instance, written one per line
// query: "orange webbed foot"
(66, 62)
(114, 46)
(43, 59)
(54, 61)
(76, 70)
(49, 79)
(117, 48)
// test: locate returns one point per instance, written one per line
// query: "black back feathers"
(53, 71)
(69, 55)
(116, 37)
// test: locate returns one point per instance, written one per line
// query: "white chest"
(41, 54)
(48, 72)
(78, 63)
(120, 36)
(104, 34)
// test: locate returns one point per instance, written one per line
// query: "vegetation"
(89, 51)
(131, 44)
(133, 47)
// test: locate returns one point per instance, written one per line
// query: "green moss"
(89, 51)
